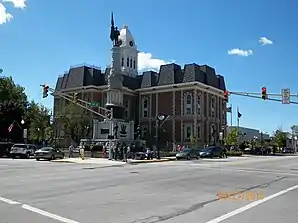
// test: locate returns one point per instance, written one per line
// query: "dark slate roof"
(169, 74)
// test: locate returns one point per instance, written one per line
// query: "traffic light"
(75, 97)
(226, 96)
(45, 91)
(264, 93)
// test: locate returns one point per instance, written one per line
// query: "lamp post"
(160, 121)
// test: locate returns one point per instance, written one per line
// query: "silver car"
(48, 153)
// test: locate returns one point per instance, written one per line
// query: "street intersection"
(261, 189)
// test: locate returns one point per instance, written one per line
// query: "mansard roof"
(168, 74)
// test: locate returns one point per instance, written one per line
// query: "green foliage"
(13, 103)
(280, 138)
(38, 119)
(74, 121)
(232, 137)
(193, 140)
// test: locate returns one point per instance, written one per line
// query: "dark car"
(48, 153)
(188, 153)
(288, 150)
(212, 151)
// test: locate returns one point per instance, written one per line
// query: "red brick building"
(192, 95)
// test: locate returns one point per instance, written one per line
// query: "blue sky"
(40, 42)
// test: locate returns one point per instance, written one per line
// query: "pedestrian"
(125, 153)
(70, 151)
(225, 153)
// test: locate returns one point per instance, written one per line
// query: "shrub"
(234, 153)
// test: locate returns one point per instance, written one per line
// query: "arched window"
(127, 62)
(122, 62)
(130, 63)
(134, 64)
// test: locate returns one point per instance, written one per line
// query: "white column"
(195, 120)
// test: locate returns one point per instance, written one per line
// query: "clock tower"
(129, 53)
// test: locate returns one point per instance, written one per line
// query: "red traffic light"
(264, 93)
(226, 95)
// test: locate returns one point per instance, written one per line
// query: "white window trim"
(145, 109)
(186, 126)
(190, 106)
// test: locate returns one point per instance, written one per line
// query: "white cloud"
(147, 62)
(264, 41)
(17, 3)
(239, 52)
(4, 15)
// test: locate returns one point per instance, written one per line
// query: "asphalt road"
(182, 191)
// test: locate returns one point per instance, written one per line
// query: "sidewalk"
(104, 161)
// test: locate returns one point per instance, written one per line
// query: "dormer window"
(145, 107)
(134, 64)
(188, 104)
(130, 63)
(127, 62)
(122, 62)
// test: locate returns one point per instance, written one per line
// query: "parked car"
(48, 153)
(188, 153)
(212, 151)
(288, 150)
(22, 150)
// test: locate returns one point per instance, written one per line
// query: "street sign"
(25, 133)
(285, 93)
(94, 104)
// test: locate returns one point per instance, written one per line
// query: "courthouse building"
(191, 94)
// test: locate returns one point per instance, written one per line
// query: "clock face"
(130, 43)
(120, 42)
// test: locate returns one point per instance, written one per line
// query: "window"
(126, 106)
(127, 62)
(187, 131)
(130, 63)
(144, 131)
(212, 107)
(134, 64)
(199, 105)
(188, 104)
(122, 62)
(145, 108)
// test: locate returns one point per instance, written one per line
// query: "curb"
(150, 161)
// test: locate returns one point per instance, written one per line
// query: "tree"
(74, 122)
(193, 140)
(13, 103)
(280, 138)
(38, 122)
(232, 138)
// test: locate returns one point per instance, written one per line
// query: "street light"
(160, 120)
(22, 122)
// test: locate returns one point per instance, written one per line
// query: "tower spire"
(112, 19)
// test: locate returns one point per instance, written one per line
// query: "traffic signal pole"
(69, 98)
(254, 95)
